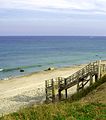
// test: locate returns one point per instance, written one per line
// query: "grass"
(65, 110)
(61, 111)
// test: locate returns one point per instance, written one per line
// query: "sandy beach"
(29, 89)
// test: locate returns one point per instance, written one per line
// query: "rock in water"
(50, 68)
(21, 70)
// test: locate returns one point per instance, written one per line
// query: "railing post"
(99, 69)
(59, 91)
(96, 77)
(65, 82)
(46, 90)
(103, 67)
(91, 79)
(78, 86)
(53, 91)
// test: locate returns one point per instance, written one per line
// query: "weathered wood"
(78, 86)
(99, 69)
(85, 83)
(65, 82)
(59, 91)
(96, 77)
(82, 84)
(53, 91)
(68, 85)
(46, 90)
(80, 78)
(91, 79)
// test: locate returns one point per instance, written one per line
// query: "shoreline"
(29, 89)
(40, 71)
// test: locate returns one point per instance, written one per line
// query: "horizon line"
(52, 35)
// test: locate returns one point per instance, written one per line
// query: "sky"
(53, 17)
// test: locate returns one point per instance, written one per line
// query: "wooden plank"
(68, 85)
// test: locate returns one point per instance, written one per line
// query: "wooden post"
(46, 90)
(65, 82)
(104, 68)
(78, 86)
(53, 91)
(91, 79)
(96, 77)
(82, 85)
(59, 91)
(99, 69)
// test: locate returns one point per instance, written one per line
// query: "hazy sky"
(52, 17)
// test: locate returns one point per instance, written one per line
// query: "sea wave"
(19, 68)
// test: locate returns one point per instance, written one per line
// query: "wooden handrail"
(82, 76)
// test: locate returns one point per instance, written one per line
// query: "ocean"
(36, 53)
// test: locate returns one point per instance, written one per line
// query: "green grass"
(64, 110)
(61, 111)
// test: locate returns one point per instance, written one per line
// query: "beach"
(29, 89)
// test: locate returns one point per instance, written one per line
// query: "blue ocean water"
(35, 53)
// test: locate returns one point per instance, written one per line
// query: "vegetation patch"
(61, 111)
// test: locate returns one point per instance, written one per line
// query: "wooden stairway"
(54, 87)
